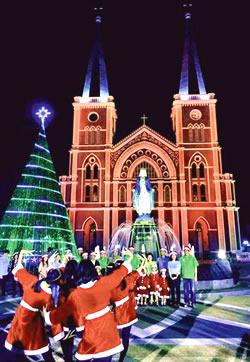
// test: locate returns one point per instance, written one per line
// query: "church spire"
(96, 65)
(190, 54)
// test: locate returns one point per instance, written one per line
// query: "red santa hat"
(163, 269)
(43, 255)
(80, 249)
(173, 252)
(103, 252)
(85, 253)
(93, 253)
(154, 265)
(131, 248)
(98, 266)
(163, 249)
(186, 247)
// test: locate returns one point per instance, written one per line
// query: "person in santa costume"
(154, 282)
(143, 288)
(100, 338)
(27, 334)
(164, 288)
(125, 306)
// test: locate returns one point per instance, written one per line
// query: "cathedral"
(192, 194)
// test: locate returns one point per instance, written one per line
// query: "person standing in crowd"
(43, 266)
(85, 255)
(164, 288)
(27, 334)
(80, 252)
(124, 312)
(103, 261)
(143, 288)
(154, 282)
(135, 261)
(115, 256)
(4, 270)
(163, 259)
(93, 259)
(174, 271)
(189, 266)
(14, 262)
(150, 262)
(90, 300)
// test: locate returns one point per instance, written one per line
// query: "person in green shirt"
(150, 263)
(115, 256)
(103, 260)
(136, 262)
(189, 275)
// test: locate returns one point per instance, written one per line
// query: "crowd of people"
(97, 296)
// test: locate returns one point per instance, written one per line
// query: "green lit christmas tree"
(36, 217)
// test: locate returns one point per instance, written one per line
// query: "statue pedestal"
(144, 231)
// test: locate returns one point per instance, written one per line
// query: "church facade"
(192, 194)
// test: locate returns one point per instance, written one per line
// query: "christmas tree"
(36, 217)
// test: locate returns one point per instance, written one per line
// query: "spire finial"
(98, 10)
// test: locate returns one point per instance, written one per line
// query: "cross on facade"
(144, 119)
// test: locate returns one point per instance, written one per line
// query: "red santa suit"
(100, 337)
(154, 282)
(164, 289)
(27, 333)
(143, 286)
(124, 300)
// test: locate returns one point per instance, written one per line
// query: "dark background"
(45, 47)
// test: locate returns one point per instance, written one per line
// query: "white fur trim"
(98, 314)
(18, 267)
(66, 329)
(27, 352)
(128, 324)
(79, 329)
(45, 288)
(109, 352)
(57, 338)
(27, 306)
(122, 301)
(139, 271)
(47, 318)
(88, 285)
(128, 266)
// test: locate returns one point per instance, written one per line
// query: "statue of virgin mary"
(143, 194)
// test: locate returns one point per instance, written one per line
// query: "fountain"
(145, 234)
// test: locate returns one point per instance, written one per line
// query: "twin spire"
(97, 75)
(190, 54)
(96, 66)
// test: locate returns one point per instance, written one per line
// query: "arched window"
(194, 171)
(95, 172)
(150, 170)
(92, 136)
(202, 133)
(190, 133)
(88, 170)
(202, 170)
(98, 136)
(196, 133)
(87, 193)
(203, 192)
(86, 136)
(195, 193)
(95, 193)
(156, 193)
(167, 194)
(122, 194)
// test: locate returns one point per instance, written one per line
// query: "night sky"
(45, 47)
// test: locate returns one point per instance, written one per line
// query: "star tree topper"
(43, 113)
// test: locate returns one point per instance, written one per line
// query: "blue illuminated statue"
(143, 194)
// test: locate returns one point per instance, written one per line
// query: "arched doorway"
(89, 234)
(201, 239)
